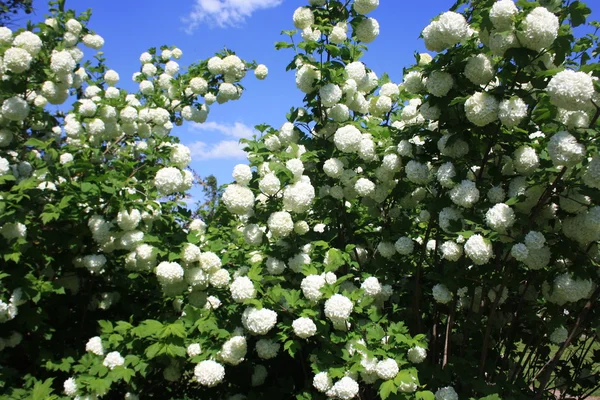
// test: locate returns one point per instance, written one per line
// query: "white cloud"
(237, 129)
(224, 13)
(224, 150)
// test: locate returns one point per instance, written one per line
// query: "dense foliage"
(432, 239)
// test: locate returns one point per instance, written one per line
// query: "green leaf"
(154, 350)
(33, 142)
(42, 391)
(425, 395)
(386, 388)
(176, 329)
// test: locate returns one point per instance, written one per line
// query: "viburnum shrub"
(433, 239)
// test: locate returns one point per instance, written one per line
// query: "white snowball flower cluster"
(311, 287)
(413, 82)
(371, 286)
(233, 351)
(568, 289)
(304, 327)
(242, 174)
(70, 387)
(364, 187)
(451, 250)
(447, 30)
(242, 289)
(525, 160)
(571, 90)
(330, 94)
(502, 14)
(478, 249)
(267, 349)
(15, 109)
(446, 393)
(500, 217)
(338, 307)
(365, 6)
(481, 108)
(61, 62)
(404, 245)
(169, 272)
(439, 83)
(261, 72)
(564, 150)
(322, 382)
(333, 167)
(441, 294)
(457, 149)
(169, 180)
(417, 354)
(480, 68)
(209, 373)
(367, 30)
(591, 177)
(193, 350)
(113, 359)
(539, 29)
(303, 18)
(347, 139)
(94, 345)
(417, 172)
(259, 322)
(344, 389)
(238, 199)
(465, 194)
(280, 223)
(306, 77)
(512, 111)
(298, 197)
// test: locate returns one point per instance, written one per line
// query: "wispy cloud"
(224, 13)
(224, 150)
(237, 129)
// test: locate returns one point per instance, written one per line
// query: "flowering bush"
(428, 239)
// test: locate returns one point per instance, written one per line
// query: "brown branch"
(448, 331)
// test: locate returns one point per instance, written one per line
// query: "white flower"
(439, 83)
(365, 6)
(512, 111)
(70, 387)
(15, 109)
(322, 382)
(347, 139)
(413, 82)
(387, 369)
(441, 294)
(571, 90)
(298, 197)
(478, 250)
(534, 240)
(304, 327)
(330, 94)
(480, 68)
(311, 287)
(346, 388)
(371, 286)
(404, 245)
(417, 354)
(93, 41)
(367, 30)
(259, 322)
(338, 307)
(447, 30)
(417, 172)
(591, 177)
(242, 174)
(539, 29)
(275, 266)
(128, 220)
(94, 263)
(333, 167)
(465, 194)
(113, 359)
(94, 345)
(238, 199)
(500, 217)
(303, 18)
(519, 251)
(451, 250)
(267, 349)
(234, 350)
(180, 155)
(193, 350)
(198, 225)
(525, 160)
(559, 335)
(209, 373)
(502, 14)
(242, 289)
(364, 187)
(261, 72)
(280, 223)
(564, 150)
(481, 108)
(168, 180)
(386, 249)
(306, 77)
(61, 62)
(169, 272)
(29, 42)
(446, 393)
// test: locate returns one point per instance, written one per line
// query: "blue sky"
(250, 27)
